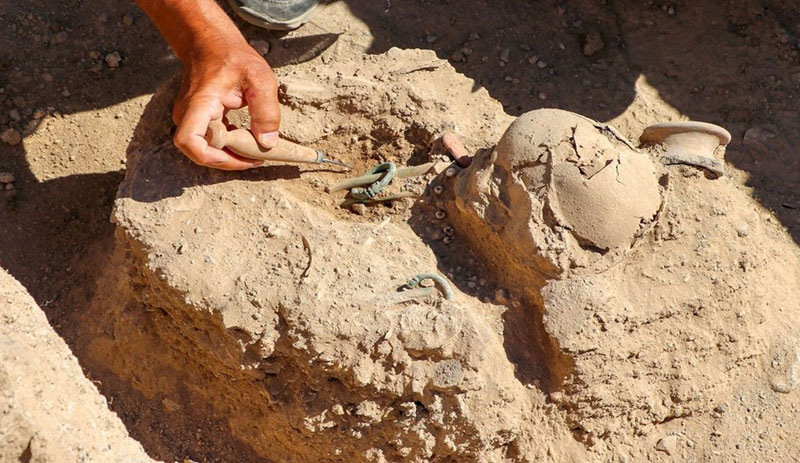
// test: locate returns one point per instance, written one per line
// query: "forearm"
(191, 26)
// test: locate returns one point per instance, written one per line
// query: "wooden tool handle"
(242, 142)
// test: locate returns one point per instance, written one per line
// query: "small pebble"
(758, 137)
(541, 64)
(447, 239)
(592, 43)
(15, 115)
(261, 46)
(451, 172)
(7, 177)
(19, 102)
(438, 189)
(743, 231)
(667, 444)
(359, 208)
(457, 57)
(170, 405)
(127, 20)
(94, 54)
(430, 38)
(11, 137)
(440, 214)
(47, 77)
(61, 37)
(113, 59)
(505, 55)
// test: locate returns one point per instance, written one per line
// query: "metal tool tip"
(335, 162)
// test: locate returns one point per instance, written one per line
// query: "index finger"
(190, 138)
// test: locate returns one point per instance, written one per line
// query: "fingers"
(190, 139)
(262, 104)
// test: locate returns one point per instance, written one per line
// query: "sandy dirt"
(51, 412)
(707, 368)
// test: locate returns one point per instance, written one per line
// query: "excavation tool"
(242, 142)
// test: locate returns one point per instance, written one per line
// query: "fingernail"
(268, 139)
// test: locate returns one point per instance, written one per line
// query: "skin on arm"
(220, 72)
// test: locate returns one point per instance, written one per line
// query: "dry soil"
(700, 375)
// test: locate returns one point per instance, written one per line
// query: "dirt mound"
(579, 329)
(651, 332)
(49, 412)
(278, 311)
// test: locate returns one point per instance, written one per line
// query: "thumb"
(265, 113)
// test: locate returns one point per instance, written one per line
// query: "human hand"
(217, 78)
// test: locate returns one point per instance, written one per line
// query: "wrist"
(209, 43)
(193, 27)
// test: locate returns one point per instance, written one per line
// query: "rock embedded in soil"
(113, 59)
(457, 57)
(11, 137)
(759, 137)
(667, 444)
(592, 43)
(60, 37)
(261, 46)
